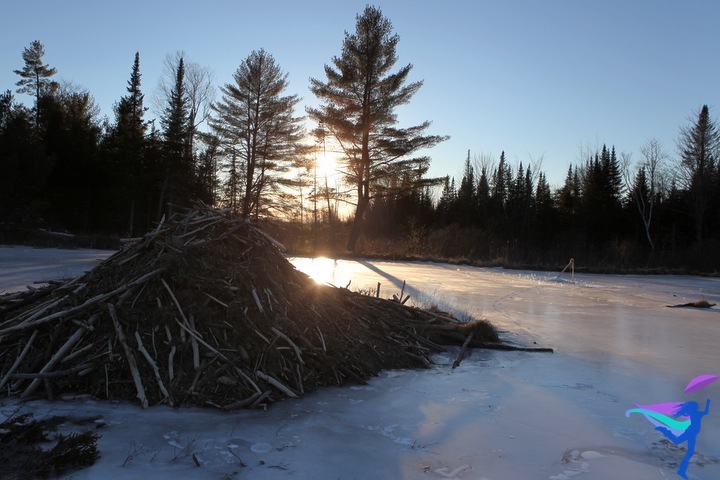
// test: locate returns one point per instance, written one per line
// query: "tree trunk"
(357, 223)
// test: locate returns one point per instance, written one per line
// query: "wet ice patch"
(261, 447)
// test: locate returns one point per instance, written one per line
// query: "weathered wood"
(154, 367)
(276, 383)
(461, 354)
(55, 359)
(132, 364)
(19, 359)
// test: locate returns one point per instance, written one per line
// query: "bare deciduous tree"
(646, 182)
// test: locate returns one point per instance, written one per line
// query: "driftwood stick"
(37, 312)
(200, 229)
(322, 338)
(261, 398)
(130, 357)
(298, 353)
(153, 365)
(514, 348)
(19, 360)
(55, 358)
(171, 359)
(275, 383)
(211, 348)
(81, 369)
(242, 403)
(257, 301)
(194, 343)
(216, 300)
(248, 379)
(77, 353)
(174, 299)
(460, 356)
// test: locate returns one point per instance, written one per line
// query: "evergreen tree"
(134, 179)
(24, 165)
(467, 196)
(359, 102)
(501, 181)
(483, 197)
(71, 130)
(177, 159)
(446, 203)
(35, 76)
(699, 147)
(545, 209)
(602, 197)
(259, 136)
(569, 197)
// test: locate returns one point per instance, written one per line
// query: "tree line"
(64, 166)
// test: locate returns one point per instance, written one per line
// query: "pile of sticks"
(205, 310)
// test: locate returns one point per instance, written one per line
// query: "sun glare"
(327, 166)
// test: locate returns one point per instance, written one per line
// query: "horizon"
(563, 80)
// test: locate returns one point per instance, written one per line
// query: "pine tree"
(359, 102)
(35, 76)
(259, 136)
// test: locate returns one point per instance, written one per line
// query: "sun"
(327, 166)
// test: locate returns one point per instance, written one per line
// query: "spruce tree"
(467, 195)
(125, 148)
(177, 162)
(699, 147)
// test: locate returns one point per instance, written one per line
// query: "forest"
(66, 168)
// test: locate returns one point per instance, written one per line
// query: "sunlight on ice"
(330, 271)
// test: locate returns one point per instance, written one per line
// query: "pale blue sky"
(538, 79)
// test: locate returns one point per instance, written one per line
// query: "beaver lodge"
(205, 310)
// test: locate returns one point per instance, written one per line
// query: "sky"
(544, 81)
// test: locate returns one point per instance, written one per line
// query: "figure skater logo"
(679, 422)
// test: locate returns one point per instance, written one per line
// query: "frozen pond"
(500, 415)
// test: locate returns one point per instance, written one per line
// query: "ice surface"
(499, 415)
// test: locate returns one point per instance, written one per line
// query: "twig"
(275, 383)
(81, 369)
(55, 358)
(257, 301)
(19, 360)
(130, 357)
(460, 356)
(298, 354)
(153, 365)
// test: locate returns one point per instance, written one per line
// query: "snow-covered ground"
(499, 415)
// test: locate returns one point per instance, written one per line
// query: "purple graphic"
(699, 382)
(679, 421)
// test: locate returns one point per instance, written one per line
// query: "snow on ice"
(499, 415)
